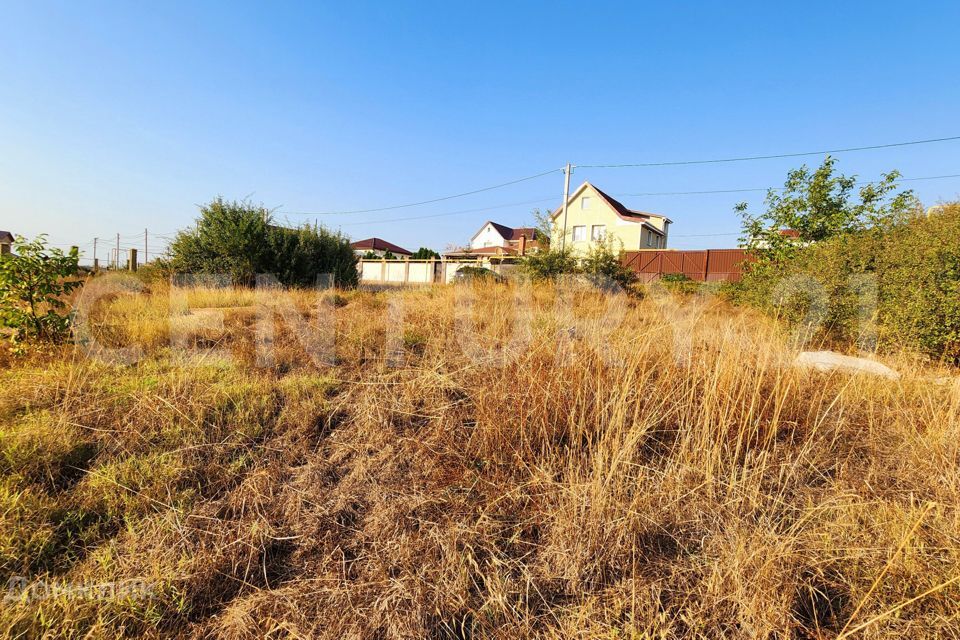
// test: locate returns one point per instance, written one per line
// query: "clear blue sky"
(116, 117)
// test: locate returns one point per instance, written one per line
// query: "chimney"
(523, 244)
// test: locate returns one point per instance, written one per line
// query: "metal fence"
(706, 265)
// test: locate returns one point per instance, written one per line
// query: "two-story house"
(593, 216)
(494, 238)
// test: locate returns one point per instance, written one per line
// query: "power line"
(629, 165)
(422, 202)
(766, 157)
(688, 193)
(450, 213)
(621, 195)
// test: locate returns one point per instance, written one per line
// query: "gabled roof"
(6, 237)
(508, 233)
(616, 205)
(379, 244)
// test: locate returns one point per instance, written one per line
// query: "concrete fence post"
(132, 260)
(406, 270)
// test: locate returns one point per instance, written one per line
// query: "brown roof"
(379, 244)
(621, 209)
(6, 237)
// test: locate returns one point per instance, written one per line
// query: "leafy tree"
(820, 204)
(388, 255)
(423, 253)
(33, 282)
(544, 226)
(239, 239)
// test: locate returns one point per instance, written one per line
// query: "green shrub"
(549, 265)
(864, 268)
(423, 253)
(896, 286)
(919, 274)
(34, 280)
(601, 263)
(238, 239)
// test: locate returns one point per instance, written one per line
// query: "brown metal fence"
(706, 265)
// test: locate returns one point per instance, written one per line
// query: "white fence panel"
(396, 271)
(370, 270)
(420, 273)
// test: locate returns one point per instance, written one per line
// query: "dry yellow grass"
(626, 468)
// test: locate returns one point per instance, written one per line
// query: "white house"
(513, 240)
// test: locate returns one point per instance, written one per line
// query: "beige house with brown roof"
(594, 217)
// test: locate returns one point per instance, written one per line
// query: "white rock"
(831, 361)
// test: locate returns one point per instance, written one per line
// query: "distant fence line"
(705, 265)
(405, 271)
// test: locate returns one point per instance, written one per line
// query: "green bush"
(238, 239)
(863, 269)
(549, 265)
(601, 263)
(897, 286)
(423, 253)
(919, 274)
(34, 280)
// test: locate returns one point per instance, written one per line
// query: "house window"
(649, 238)
(585, 202)
(579, 233)
(598, 232)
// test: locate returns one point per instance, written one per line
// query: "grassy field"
(578, 465)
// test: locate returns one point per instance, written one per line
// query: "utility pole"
(95, 254)
(146, 255)
(566, 196)
(117, 263)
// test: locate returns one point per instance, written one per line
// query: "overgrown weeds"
(579, 464)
